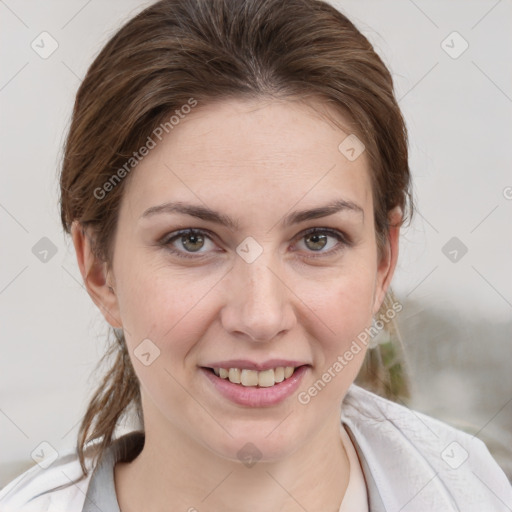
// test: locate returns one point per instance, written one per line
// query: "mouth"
(254, 378)
(253, 388)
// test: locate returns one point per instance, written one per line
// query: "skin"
(255, 161)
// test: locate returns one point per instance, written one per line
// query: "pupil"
(191, 237)
(315, 240)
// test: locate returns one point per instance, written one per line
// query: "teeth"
(252, 378)
(266, 378)
(288, 371)
(234, 375)
(279, 374)
(249, 378)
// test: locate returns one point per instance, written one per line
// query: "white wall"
(459, 115)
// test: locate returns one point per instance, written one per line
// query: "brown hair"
(211, 50)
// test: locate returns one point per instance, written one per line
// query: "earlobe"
(97, 279)
(387, 264)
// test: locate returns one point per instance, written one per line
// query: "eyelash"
(341, 237)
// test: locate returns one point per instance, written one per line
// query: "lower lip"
(253, 396)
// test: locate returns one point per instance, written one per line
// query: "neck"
(193, 478)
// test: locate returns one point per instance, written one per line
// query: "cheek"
(164, 318)
(161, 305)
(342, 311)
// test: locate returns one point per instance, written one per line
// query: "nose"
(259, 305)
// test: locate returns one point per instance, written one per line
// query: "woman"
(234, 181)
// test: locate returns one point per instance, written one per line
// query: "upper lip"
(251, 365)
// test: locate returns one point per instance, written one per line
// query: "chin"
(251, 448)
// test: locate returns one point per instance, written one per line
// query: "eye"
(316, 239)
(187, 243)
(192, 240)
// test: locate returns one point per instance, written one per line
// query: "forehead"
(250, 153)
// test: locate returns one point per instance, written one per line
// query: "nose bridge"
(261, 282)
(259, 303)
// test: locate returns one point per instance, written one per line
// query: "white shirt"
(409, 462)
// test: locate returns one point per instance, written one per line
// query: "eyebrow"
(205, 213)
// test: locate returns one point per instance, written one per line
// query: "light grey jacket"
(411, 463)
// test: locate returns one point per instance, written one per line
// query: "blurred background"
(453, 74)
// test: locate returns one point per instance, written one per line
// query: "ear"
(387, 263)
(98, 281)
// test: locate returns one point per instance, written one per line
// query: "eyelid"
(332, 231)
(185, 231)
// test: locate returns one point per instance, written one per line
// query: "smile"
(243, 386)
(264, 378)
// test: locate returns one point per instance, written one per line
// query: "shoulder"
(58, 487)
(61, 487)
(414, 458)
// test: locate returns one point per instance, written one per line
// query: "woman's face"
(251, 288)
